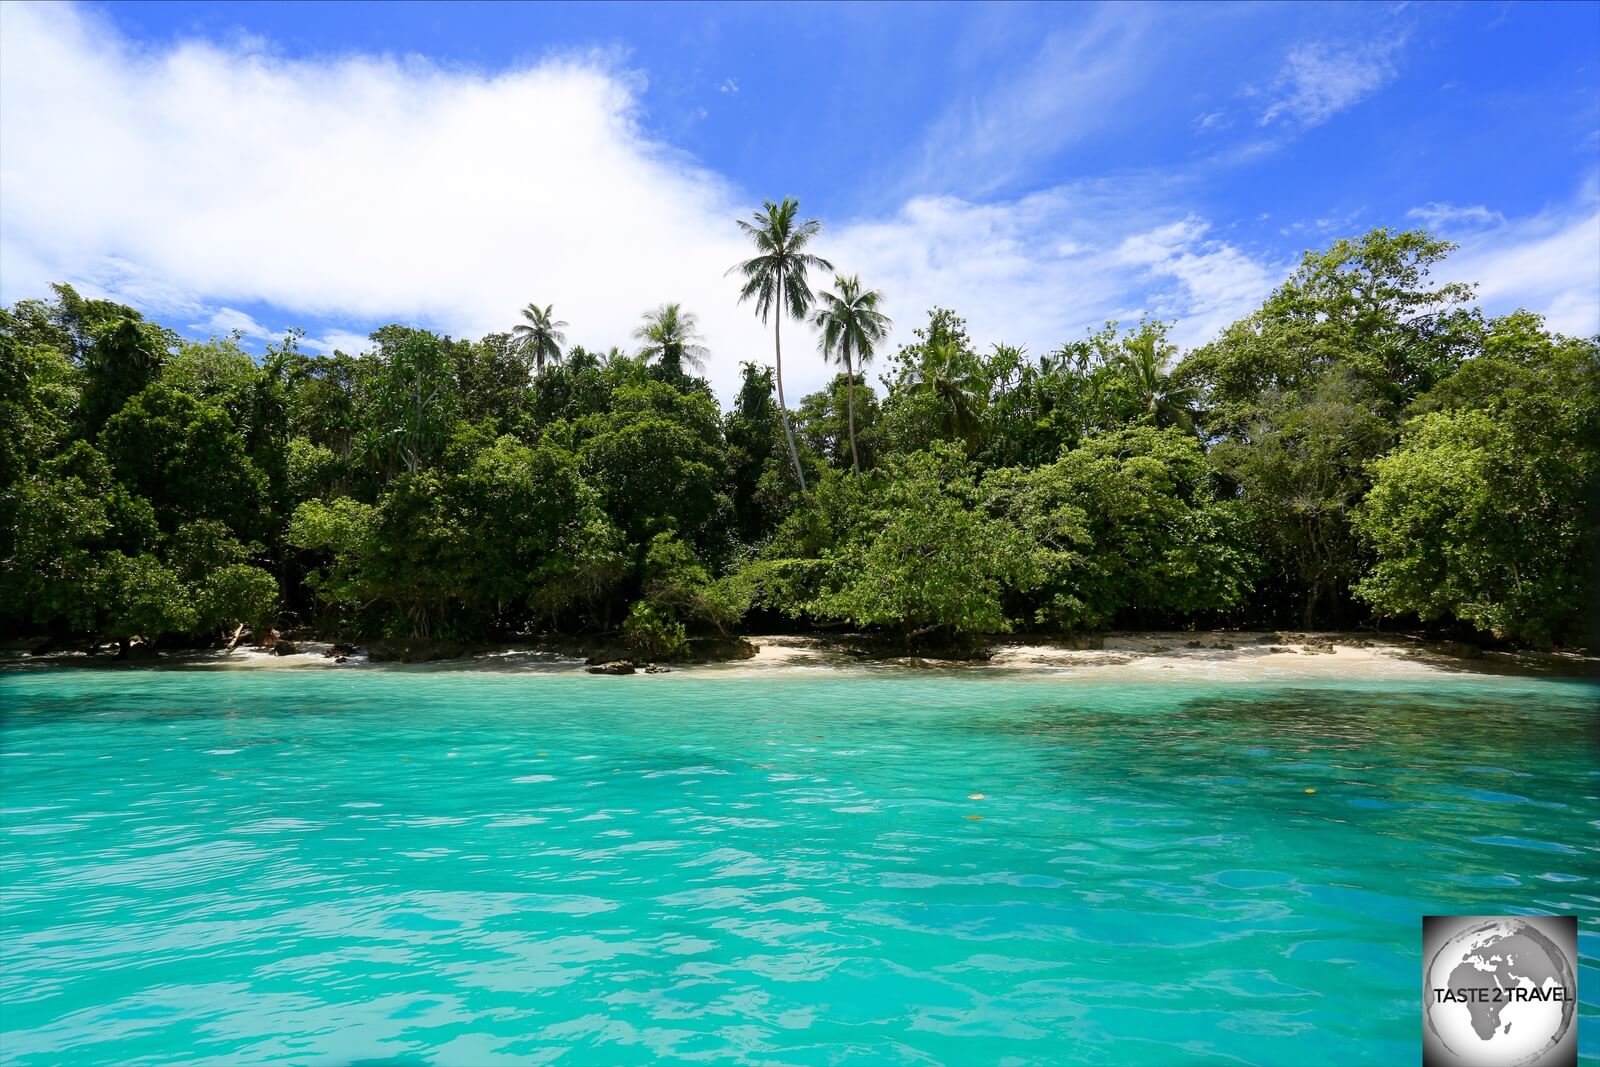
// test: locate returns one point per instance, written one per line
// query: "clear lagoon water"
(408, 867)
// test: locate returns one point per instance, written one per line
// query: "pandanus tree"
(775, 278)
(540, 337)
(672, 338)
(850, 327)
(1143, 362)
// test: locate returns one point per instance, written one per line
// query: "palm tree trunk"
(850, 402)
(783, 408)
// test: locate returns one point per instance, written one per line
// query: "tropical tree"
(851, 327)
(776, 278)
(951, 375)
(671, 336)
(1143, 361)
(540, 337)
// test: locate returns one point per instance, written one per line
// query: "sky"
(1040, 169)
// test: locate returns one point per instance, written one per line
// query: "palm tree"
(540, 337)
(952, 376)
(851, 327)
(1143, 362)
(671, 336)
(776, 278)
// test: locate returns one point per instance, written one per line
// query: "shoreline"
(1143, 656)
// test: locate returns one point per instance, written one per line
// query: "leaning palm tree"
(851, 327)
(540, 337)
(671, 336)
(776, 278)
(1143, 362)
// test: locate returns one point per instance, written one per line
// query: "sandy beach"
(1212, 656)
(1217, 656)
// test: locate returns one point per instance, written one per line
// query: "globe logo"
(1498, 991)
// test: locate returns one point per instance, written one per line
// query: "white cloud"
(1319, 80)
(1212, 120)
(362, 191)
(331, 341)
(1435, 214)
(227, 320)
(1065, 91)
(1042, 269)
(729, 85)
(357, 189)
(1549, 263)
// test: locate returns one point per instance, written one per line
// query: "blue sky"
(1039, 168)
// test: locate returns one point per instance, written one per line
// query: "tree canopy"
(1365, 446)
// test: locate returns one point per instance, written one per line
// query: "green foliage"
(1300, 474)
(340, 532)
(236, 595)
(1485, 512)
(62, 519)
(849, 327)
(415, 403)
(761, 492)
(1365, 307)
(123, 357)
(538, 338)
(1364, 432)
(656, 459)
(908, 551)
(1124, 527)
(671, 339)
(652, 637)
(830, 419)
(143, 598)
(184, 456)
(677, 585)
(939, 387)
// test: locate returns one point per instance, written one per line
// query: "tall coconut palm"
(671, 336)
(776, 278)
(851, 327)
(540, 337)
(1143, 362)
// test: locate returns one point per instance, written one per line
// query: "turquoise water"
(409, 867)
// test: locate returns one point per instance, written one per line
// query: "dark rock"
(720, 649)
(619, 666)
(340, 659)
(1195, 644)
(340, 651)
(1278, 649)
(655, 668)
(1223, 645)
(1315, 648)
(284, 648)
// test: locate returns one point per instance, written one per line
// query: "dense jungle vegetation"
(1367, 445)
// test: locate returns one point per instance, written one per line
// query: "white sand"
(1211, 656)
